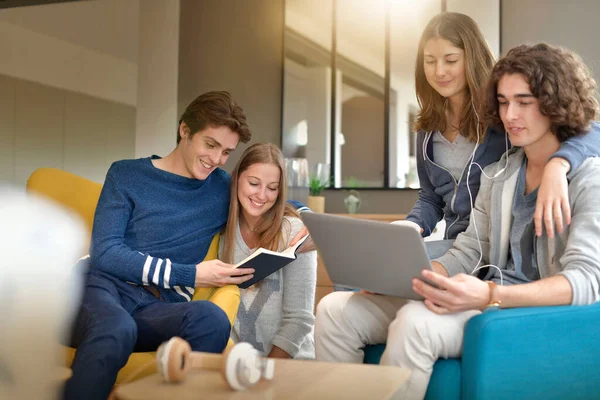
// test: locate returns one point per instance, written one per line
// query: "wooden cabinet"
(324, 284)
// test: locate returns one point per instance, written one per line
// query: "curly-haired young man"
(542, 95)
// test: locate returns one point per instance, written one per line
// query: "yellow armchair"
(81, 195)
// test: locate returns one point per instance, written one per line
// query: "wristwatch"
(494, 301)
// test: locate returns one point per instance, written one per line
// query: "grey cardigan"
(279, 310)
(574, 253)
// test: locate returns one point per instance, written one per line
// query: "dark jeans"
(117, 318)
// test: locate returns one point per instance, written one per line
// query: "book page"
(292, 249)
(287, 253)
(263, 251)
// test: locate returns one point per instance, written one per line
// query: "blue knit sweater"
(152, 227)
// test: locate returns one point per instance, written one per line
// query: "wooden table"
(293, 380)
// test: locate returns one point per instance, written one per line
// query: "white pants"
(415, 337)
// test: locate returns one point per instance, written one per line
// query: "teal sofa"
(522, 353)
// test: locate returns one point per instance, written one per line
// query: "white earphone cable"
(472, 217)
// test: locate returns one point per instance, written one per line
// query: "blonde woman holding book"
(275, 314)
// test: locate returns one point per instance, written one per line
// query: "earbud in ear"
(241, 366)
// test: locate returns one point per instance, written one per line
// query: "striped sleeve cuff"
(183, 275)
(162, 273)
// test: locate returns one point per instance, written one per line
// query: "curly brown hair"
(558, 78)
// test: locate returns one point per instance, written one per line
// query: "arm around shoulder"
(577, 149)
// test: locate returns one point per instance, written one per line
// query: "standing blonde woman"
(275, 314)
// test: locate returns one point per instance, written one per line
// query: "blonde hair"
(463, 33)
(272, 224)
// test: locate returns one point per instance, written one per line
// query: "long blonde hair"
(272, 224)
(462, 32)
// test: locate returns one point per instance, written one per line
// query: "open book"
(265, 262)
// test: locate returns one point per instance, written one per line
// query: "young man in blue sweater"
(154, 223)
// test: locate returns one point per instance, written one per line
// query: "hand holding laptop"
(402, 222)
(459, 293)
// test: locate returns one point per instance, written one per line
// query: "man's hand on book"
(217, 273)
(307, 246)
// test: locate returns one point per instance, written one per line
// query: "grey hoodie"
(574, 253)
(443, 196)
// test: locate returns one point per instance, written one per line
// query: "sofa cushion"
(68, 190)
(445, 380)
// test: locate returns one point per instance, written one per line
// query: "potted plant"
(316, 202)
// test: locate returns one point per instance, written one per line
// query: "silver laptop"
(375, 256)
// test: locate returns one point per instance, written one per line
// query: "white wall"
(487, 15)
(70, 46)
(158, 61)
(42, 126)
(319, 115)
(570, 24)
(408, 23)
(307, 96)
(236, 46)
(407, 101)
(69, 87)
(295, 107)
(311, 18)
